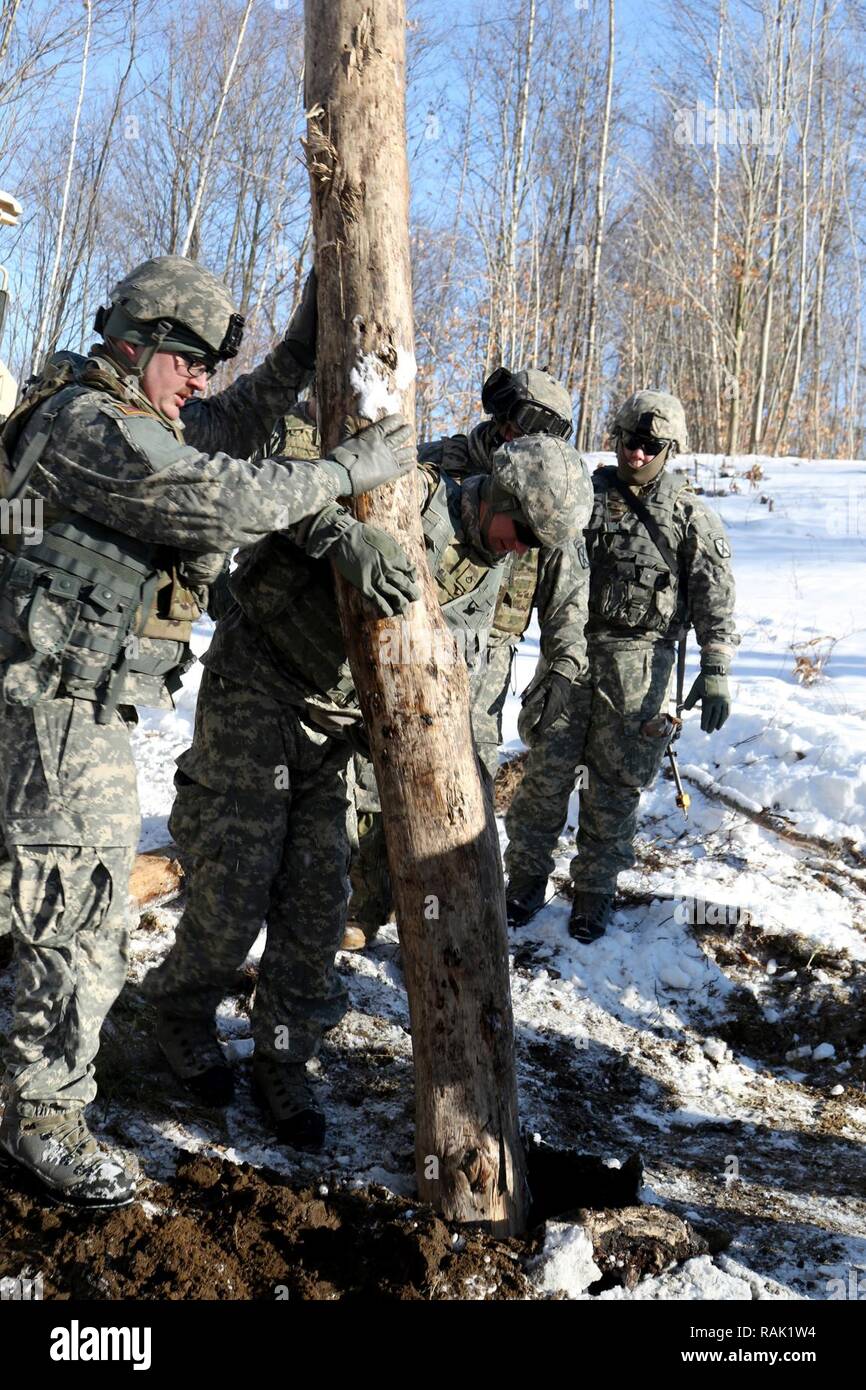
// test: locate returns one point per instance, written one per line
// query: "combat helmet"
(656, 415)
(531, 399)
(172, 303)
(544, 484)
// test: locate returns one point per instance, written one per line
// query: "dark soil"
(220, 1231)
(831, 1010)
(223, 1231)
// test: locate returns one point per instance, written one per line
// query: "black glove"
(377, 566)
(375, 455)
(300, 336)
(544, 706)
(713, 691)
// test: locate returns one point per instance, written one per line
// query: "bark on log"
(635, 1242)
(156, 877)
(442, 844)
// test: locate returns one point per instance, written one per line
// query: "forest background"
(630, 194)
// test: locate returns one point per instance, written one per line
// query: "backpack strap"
(35, 447)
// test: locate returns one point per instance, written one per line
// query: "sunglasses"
(647, 442)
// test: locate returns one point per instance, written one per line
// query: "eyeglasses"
(197, 368)
(647, 442)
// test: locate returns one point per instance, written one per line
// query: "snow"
(565, 1264)
(703, 1278)
(370, 379)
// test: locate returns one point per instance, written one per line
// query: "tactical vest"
(466, 588)
(295, 436)
(291, 600)
(632, 588)
(458, 456)
(74, 606)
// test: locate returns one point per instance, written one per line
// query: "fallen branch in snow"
(779, 824)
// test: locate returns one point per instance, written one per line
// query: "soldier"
(263, 805)
(518, 403)
(139, 505)
(659, 562)
(295, 436)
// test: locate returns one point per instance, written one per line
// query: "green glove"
(375, 455)
(377, 566)
(713, 691)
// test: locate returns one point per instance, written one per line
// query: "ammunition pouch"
(514, 605)
(71, 615)
(636, 595)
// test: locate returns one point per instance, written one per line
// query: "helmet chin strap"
(158, 337)
(136, 366)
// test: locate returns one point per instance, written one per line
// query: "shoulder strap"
(649, 522)
(36, 446)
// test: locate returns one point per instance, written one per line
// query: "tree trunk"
(586, 413)
(781, 84)
(48, 302)
(413, 688)
(189, 246)
(715, 298)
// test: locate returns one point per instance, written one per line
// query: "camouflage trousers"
(262, 819)
(70, 824)
(5, 890)
(372, 903)
(612, 740)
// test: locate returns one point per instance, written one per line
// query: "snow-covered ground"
(730, 1051)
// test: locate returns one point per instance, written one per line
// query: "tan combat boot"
(354, 937)
(57, 1148)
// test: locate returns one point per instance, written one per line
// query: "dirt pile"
(218, 1231)
(222, 1231)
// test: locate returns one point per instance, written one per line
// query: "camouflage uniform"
(542, 579)
(638, 608)
(142, 492)
(294, 436)
(264, 847)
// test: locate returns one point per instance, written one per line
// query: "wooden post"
(442, 845)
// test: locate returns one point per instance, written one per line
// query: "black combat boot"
(284, 1089)
(191, 1049)
(523, 898)
(590, 914)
